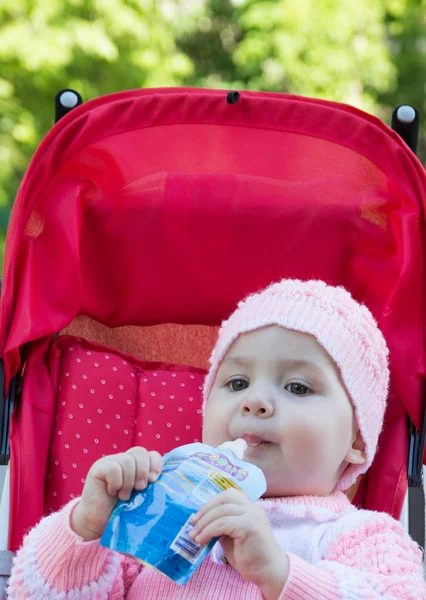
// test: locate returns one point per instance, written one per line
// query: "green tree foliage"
(93, 46)
(369, 53)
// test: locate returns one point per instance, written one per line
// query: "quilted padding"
(108, 402)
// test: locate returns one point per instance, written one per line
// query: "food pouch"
(153, 525)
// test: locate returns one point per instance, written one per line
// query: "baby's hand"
(110, 478)
(247, 540)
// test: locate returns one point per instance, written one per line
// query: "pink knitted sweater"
(335, 552)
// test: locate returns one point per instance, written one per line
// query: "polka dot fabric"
(108, 402)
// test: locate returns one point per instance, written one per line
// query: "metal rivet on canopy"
(406, 114)
(232, 97)
(69, 99)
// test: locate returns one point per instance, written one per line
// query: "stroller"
(143, 218)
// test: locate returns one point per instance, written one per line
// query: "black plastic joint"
(232, 97)
(406, 122)
(415, 455)
(65, 101)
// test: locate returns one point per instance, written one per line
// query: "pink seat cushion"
(108, 402)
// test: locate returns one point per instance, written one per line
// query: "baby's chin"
(279, 489)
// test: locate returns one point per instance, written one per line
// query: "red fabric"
(161, 206)
(83, 401)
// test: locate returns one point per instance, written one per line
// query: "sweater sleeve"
(55, 563)
(376, 561)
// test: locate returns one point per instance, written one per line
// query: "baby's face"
(280, 391)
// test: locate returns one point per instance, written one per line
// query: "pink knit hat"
(345, 329)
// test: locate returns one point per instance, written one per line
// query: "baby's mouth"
(254, 441)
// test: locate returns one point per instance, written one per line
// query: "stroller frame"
(408, 130)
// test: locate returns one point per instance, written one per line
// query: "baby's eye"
(237, 385)
(299, 389)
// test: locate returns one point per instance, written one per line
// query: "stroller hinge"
(416, 453)
(6, 407)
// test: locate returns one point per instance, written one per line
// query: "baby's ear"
(356, 454)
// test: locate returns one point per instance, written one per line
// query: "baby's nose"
(257, 406)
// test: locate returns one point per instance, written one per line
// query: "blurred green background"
(368, 53)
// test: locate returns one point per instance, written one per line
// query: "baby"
(300, 372)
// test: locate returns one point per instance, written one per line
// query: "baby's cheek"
(306, 444)
(215, 428)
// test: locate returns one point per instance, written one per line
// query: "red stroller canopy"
(170, 205)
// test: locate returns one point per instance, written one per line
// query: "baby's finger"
(155, 466)
(111, 472)
(128, 466)
(234, 526)
(231, 496)
(216, 513)
(141, 460)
